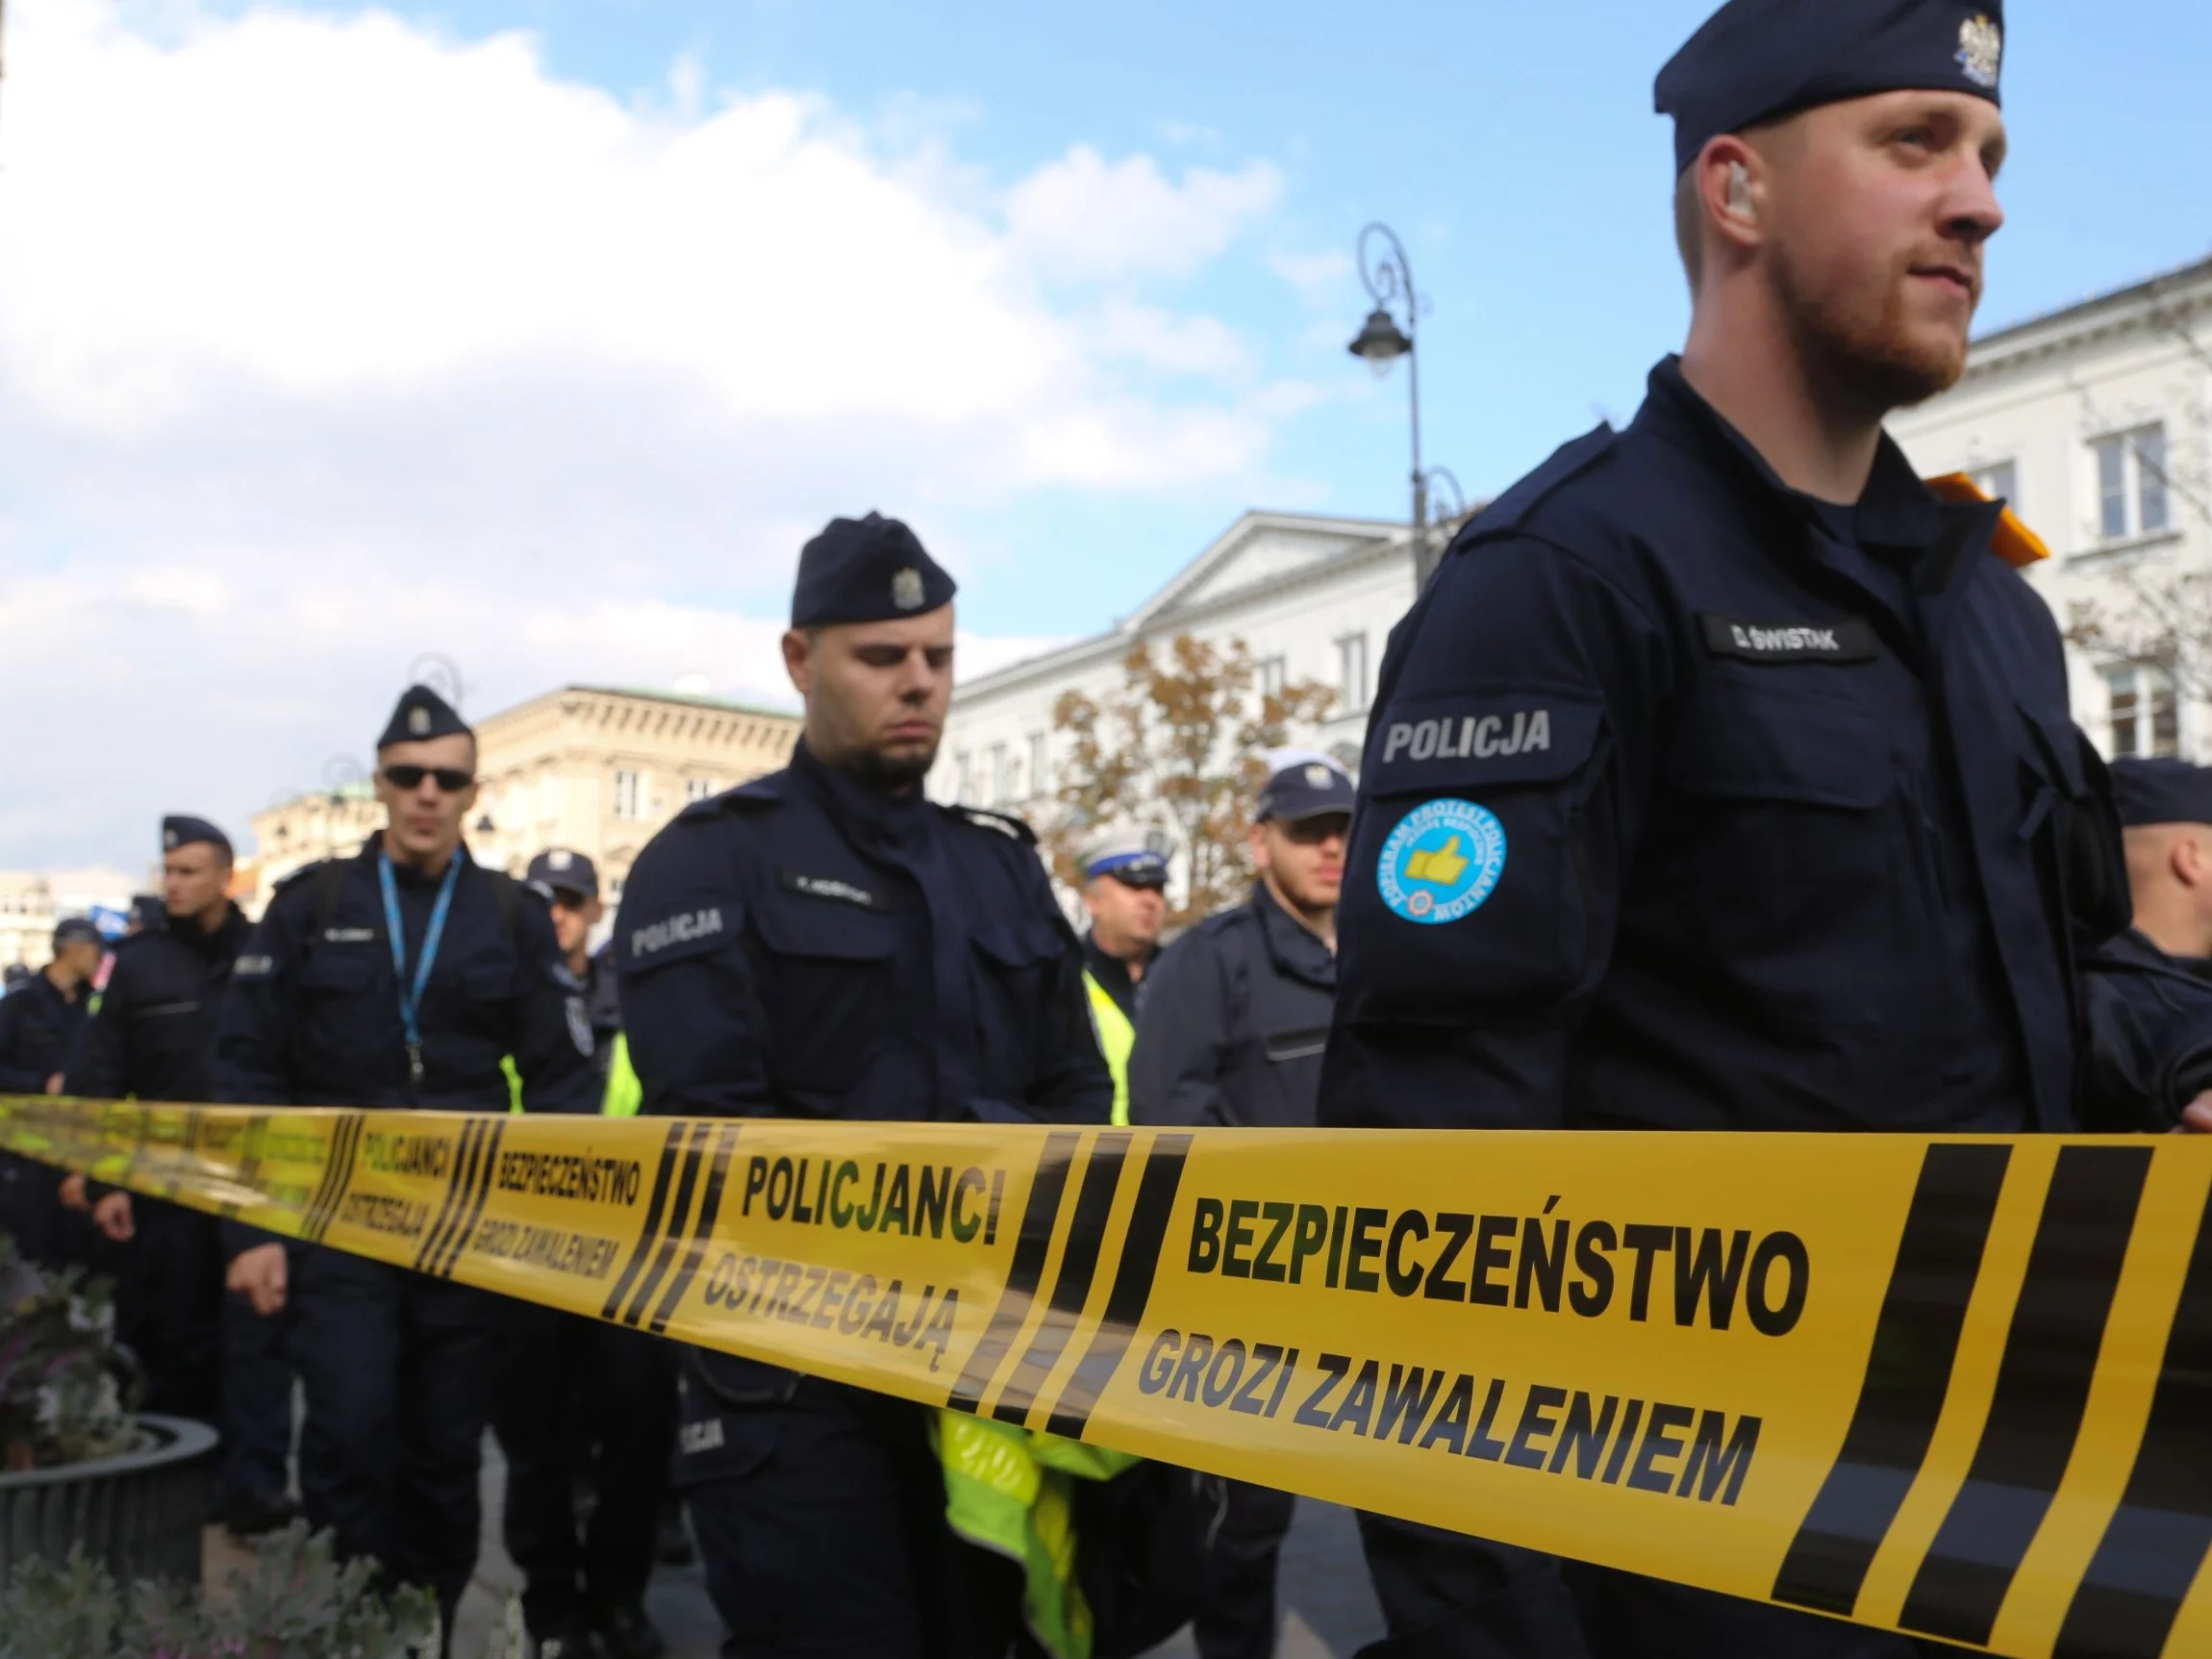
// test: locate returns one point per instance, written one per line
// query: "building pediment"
(1258, 549)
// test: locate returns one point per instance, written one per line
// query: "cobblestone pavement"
(1329, 1609)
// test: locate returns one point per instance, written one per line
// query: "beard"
(1865, 346)
(894, 775)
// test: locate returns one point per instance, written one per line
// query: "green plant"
(297, 1602)
(66, 1387)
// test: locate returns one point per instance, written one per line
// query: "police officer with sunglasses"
(399, 977)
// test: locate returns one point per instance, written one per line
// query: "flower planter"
(140, 1513)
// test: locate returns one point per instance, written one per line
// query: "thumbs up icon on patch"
(1443, 866)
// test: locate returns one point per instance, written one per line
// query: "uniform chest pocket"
(334, 969)
(1812, 751)
(825, 979)
(489, 981)
(1013, 965)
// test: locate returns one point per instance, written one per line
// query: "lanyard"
(411, 995)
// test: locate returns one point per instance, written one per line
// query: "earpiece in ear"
(1739, 192)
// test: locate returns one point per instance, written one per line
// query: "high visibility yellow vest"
(1117, 1035)
(624, 1092)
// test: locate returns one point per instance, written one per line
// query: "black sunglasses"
(451, 779)
(1321, 827)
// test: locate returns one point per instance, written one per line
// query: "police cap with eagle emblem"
(180, 830)
(419, 716)
(2159, 790)
(1757, 60)
(558, 871)
(872, 569)
(1303, 784)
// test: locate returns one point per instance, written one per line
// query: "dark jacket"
(1689, 802)
(802, 947)
(314, 1015)
(153, 1035)
(37, 1027)
(2152, 1016)
(1236, 1015)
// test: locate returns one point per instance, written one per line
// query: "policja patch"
(1441, 861)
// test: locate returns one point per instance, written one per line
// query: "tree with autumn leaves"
(1177, 746)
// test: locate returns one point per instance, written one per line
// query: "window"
(2132, 494)
(548, 797)
(964, 772)
(1002, 784)
(627, 796)
(1998, 481)
(1038, 768)
(1271, 676)
(1351, 674)
(698, 788)
(2146, 717)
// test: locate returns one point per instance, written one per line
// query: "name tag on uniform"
(1846, 640)
(348, 935)
(829, 887)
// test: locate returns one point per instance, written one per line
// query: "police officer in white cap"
(1124, 889)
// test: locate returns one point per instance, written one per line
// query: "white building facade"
(1313, 598)
(2095, 423)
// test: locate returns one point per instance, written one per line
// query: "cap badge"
(905, 590)
(1980, 49)
(559, 859)
(419, 721)
(169, 840)
(1317, 777)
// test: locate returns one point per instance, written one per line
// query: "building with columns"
(593, 768)
(2095, 422)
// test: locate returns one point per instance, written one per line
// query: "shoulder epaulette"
(1005, 824)
(299, 875)
(1569, 462)
(764, 791)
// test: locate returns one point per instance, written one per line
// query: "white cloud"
(325, 340)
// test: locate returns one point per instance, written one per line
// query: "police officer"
(581, 1406)
(152, 1035)
(399, 977)
(1721, 778)
(825, 943)
(1124, 889)
(1232, 1033)
(39, 1021)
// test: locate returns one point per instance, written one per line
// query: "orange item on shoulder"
(2014, 541)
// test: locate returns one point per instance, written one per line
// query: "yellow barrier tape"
(1959, 1387)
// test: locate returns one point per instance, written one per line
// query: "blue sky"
(1512, 146)
(540, 334)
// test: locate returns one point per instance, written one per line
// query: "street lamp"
(1381, 343)
(440, 673)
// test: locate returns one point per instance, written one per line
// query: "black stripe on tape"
(344, 1147)
(649, 1233)
(1132, 1289)
(1071, 1285)
(1909, 1373)
(488, 1165)
(1030, 1245)
(2042, 1386)
(710, 1208)
(449, 1212)
(679, 1218)
(2156, 1541)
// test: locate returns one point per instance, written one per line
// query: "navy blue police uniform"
(398, 1365)
(1231, 1033)
(39, 1024)
(1693, 802)
(581, 1406)
(151, 1035)
(807, 947)
(2151, 1013)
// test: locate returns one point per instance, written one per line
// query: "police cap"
(78, 930)
(558, 871)
(2161, 791)
(1303, 784)
(419, 716)
(871, 569)
(1756, 60)
(179, 830)
(1134, 857)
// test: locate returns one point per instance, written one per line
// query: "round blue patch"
(1441, 861)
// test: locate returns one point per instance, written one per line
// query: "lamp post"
(1380, 342)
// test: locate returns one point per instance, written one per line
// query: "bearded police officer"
(1124, 891)
(1721, 778)
(399, 977)
(825, 943)
(582, 1407)
(1232, 1035)
(152, 1035)
(38, 1024)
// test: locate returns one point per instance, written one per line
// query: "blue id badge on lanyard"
(410, 994)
